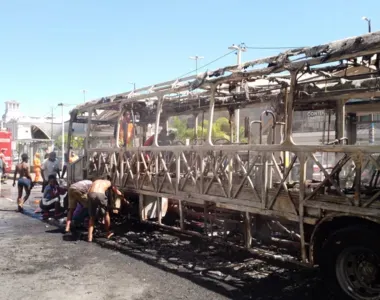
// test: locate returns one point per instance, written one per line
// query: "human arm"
(15, 176)
(43, 167)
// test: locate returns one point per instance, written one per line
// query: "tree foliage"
(76, 142)
(220, 129)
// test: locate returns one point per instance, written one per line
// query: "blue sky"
(51, 50)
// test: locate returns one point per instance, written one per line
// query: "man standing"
(77, 194)
(24, 182)
(4, 166)
(50, 167)
(97, 198)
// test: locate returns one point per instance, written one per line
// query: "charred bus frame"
(248, 179)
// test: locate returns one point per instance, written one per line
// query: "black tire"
(351, 263)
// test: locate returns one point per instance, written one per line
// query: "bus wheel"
(351, 263)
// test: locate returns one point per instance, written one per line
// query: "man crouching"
(97, 198)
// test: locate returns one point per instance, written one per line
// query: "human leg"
(93, 204)
(107, 224)
(19, 197)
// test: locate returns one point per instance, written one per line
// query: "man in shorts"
(77, 194)
(97, 198)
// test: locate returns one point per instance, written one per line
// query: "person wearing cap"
(24, 181)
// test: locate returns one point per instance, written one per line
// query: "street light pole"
(63, 137)
(239, 49)
(196, 58)
(134, 85)
(369, 23)
(84, 95)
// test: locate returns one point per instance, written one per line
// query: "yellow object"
(37, 167)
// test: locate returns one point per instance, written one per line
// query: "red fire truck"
(6, 144)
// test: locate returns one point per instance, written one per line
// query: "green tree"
(76, 142)
(220, 129)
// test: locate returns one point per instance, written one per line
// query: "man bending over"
(97, 198)
(77, 194)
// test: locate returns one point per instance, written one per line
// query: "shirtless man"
(97, 198)
(24, 181)
(77, 194)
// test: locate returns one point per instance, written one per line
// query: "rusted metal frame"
(229, 173)
(130, 172)
(138, 167)
(341, 208)
(215, 176)
(301, 207)
(87, 141)
(337, 167)
(266, 148)
(188, 173)
(114, 165)
(375, 161)
(178, 180)
(341, 50)
(231, 204)
(146, 166)
(248, 229)
(282, 183)
(371, 200)
(201, 178)
(371, 48)
(211, 112)
(166, 172)
(148, 173)
(330, 178)
(157, 166)
(264, 176)
(289, 107)
(246, 177)
(358, 170)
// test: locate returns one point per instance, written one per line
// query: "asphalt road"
(36, 262)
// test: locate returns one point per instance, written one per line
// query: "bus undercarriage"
(256, 187)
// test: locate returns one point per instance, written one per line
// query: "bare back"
(100, 186)
(23, 170)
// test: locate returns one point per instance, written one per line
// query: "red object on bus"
(6, 146)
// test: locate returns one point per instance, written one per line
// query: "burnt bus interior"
(255, 188)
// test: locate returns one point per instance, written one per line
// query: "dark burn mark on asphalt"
(234, 274)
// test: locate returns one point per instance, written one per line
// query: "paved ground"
(139, 263)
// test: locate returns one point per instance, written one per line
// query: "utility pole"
(371, 133)
(63, 137)
(196, 58)
(84, 95)
(239, 49)
(134, 85)
(51, 129)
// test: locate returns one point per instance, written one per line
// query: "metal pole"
(52, 128)
(239, 48)
(196, 57)
(84, 95)
(63, 137)
(371, 132)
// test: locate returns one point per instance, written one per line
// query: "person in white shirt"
(50, 167)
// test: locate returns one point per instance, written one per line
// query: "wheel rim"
(358, 273)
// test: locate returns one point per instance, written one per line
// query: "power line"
(274, 48)
(211, 62)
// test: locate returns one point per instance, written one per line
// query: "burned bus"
(246, 181)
